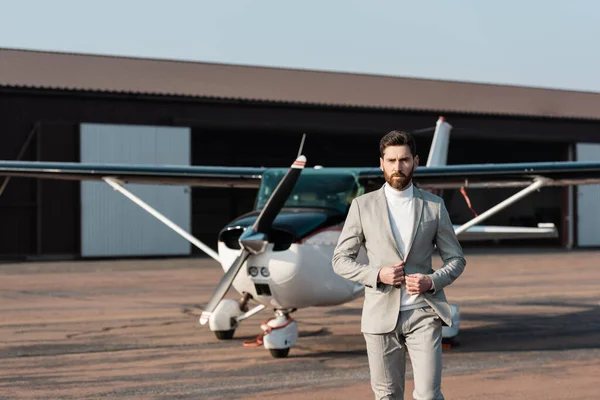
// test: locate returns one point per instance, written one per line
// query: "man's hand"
(392, 275)
(418, 283)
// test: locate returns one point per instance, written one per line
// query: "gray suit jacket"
(368, 224)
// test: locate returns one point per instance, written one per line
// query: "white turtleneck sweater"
(401, 209)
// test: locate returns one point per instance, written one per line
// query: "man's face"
(398, 166)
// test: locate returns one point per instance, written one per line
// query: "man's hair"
(398, 138)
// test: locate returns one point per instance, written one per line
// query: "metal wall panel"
(588, 198)
(111, 224)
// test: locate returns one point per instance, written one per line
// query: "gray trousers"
(419, 332)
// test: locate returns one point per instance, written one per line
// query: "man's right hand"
(392, 275)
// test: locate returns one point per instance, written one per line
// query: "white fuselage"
(301, 276)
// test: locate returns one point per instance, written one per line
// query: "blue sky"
(528, 42)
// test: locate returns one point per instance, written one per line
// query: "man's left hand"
(417, 283)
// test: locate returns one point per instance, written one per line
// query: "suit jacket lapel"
(385, 220)
(418, 213)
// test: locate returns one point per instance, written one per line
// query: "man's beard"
(398, 184)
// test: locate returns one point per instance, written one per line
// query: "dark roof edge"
(261, 102)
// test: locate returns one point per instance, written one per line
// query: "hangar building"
(95, 108)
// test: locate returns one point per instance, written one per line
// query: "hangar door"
(111, 224)
(588, 199)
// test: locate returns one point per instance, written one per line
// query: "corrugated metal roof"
(83, 72)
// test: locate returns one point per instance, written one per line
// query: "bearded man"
(405, 307)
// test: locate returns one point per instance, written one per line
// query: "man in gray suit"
(405, 306)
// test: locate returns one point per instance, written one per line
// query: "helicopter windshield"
(322, 188)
